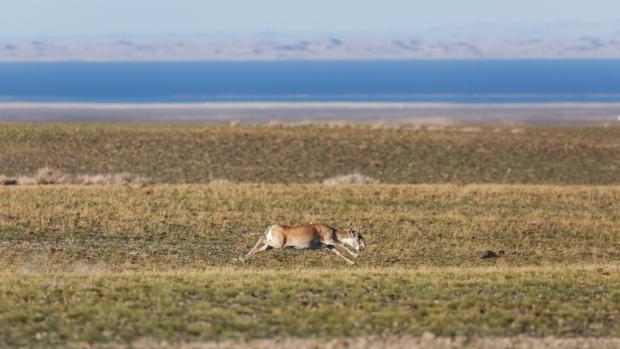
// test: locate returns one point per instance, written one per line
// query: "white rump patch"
(269, 237)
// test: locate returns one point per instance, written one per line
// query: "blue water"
(464, 81)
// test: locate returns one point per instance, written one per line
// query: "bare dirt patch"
(428, 340)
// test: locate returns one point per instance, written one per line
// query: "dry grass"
(178, 226)
(355, 178)
(309, 154)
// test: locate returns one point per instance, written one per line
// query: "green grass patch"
(229, 304)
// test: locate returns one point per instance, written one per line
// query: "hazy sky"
(307, 17)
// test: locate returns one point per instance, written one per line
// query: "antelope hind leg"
(254, 250)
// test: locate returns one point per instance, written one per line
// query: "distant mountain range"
(282, 48)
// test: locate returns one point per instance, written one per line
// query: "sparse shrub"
(435, 128)
(274, 123)
(93, 179)
(47, 175)
(112, 179)
(26, 180)
(383, 125)
(4, 180)
(355, 178)
(338, 124)
(470, 129)
(221, 182)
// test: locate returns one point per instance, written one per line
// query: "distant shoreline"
(317, 49)
(313, 112)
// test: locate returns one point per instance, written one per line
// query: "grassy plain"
(116, 264)
(234, 303)
(164, 227)
(139, 265)
(199, 154)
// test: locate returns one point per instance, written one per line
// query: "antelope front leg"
(349, 251)
(333, 249)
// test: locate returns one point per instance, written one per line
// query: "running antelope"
(309, 236)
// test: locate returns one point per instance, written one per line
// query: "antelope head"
(356, 240)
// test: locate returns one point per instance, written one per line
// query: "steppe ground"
(154, 265)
